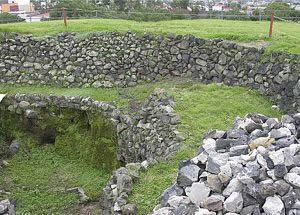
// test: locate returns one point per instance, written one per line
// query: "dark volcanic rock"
(187, 175)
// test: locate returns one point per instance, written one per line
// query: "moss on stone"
(76, 134)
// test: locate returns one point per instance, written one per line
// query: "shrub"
(3, 143)
(9, 18)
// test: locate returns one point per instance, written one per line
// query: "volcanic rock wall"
(126, 59)
(149, 134)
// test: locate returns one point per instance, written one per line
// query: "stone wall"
(117, 59)
(114, 197)
(148, 134)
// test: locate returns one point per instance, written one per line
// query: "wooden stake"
(65, 17)
(271, 24)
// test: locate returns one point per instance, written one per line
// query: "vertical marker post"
(271, 24)
(30, 10)
(65, 16)
(260, 18)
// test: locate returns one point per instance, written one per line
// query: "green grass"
(37, 179)
(285, 35)
(98, 94)
(201, 107)
(139, 93)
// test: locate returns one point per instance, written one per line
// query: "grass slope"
(285, 35)
(201, 107)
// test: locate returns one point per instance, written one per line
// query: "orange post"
(65, 16)
(271, 24)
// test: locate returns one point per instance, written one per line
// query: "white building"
(24, 5)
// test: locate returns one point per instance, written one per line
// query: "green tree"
(134, 4)
(75, 8)
(9, 18)
(153, 3)
(181, 3)
(281, 9)
(106, 2)
(121, 4)
(235, 6)
(37, 4)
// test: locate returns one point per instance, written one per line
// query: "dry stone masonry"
(251, 169)
(145, 136)
(114, 199)
(149, 134)
(126, 59)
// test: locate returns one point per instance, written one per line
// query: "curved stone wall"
(117, 59)
(149, 134)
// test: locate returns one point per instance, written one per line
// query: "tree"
(106, 2)
(235, 6)
(134, 4)
(121, 4)
(36, 4)
(181, 3)
(9, 18)
(153, 3)
(75, 8)
(281, 9)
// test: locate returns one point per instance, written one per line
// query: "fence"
(58, 14)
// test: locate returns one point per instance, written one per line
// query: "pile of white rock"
(7, 207)
(251, 169)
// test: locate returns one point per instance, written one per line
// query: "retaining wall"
(126, 59)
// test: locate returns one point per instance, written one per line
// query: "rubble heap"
(7, 207)
(253, 168)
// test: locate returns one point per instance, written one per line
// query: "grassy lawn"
(201, 107)
(38, 179)
(113, 95)
(285, 35)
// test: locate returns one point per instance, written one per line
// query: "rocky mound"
(7, 207)
(253, 168)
